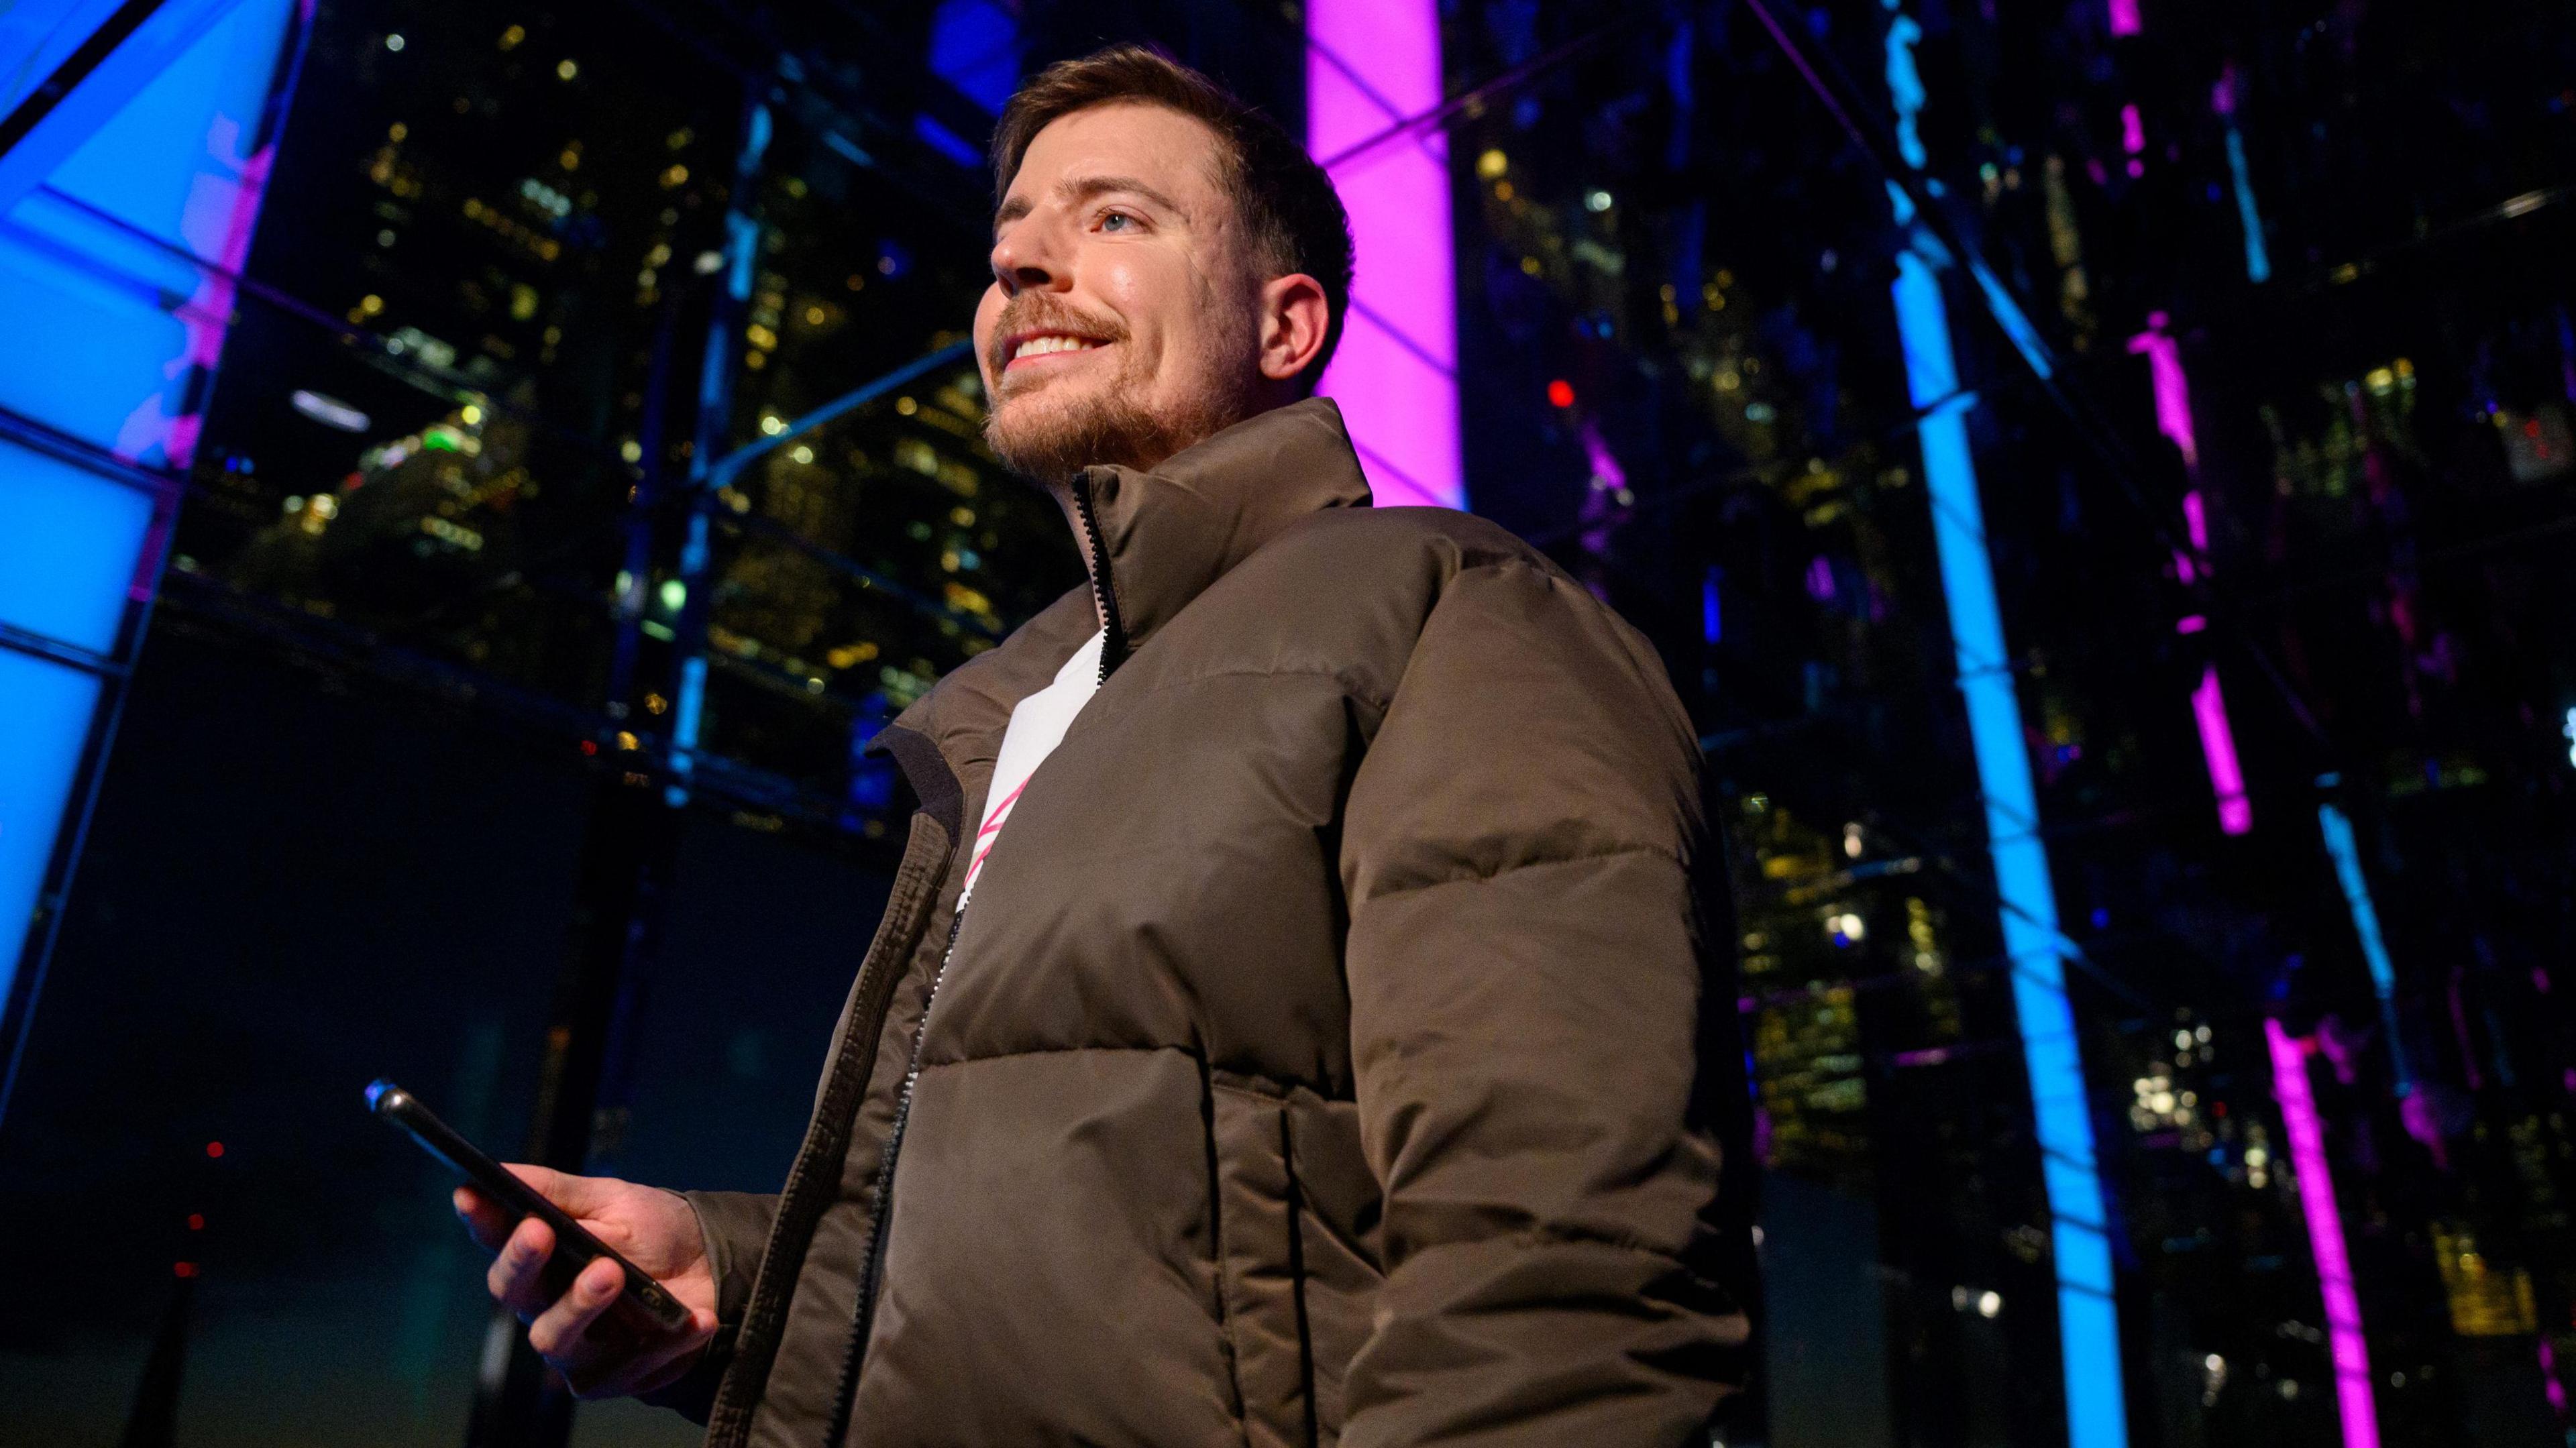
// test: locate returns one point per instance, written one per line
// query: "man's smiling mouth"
(1050, 344)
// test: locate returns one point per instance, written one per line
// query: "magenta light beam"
(2344, 1341)
(2218, 746)
(2124, 17)
(2173, 390)
(1369, 65)
(2208, 704)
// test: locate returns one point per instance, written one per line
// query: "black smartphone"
(575, 1248)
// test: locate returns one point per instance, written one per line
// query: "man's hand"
(651, 1228)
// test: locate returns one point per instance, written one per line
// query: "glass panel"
(44, 722)
(69, 540)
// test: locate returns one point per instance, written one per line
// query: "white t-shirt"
(1037, 726)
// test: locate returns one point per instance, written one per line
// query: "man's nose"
(1026, 260)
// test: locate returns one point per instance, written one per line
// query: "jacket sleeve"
(1524, 982)
(735, 1228)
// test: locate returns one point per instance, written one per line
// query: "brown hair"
(1286, 201)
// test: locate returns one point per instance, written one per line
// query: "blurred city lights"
(328, 411)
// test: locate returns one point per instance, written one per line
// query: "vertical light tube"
(2222, 99)
(1369, 65)
(2258, 261)
(2173, 394)
(2208, 703)
(715, 425)
(2344, 1341)
(2218, 748)
(2340, 848)
(2087, 1320)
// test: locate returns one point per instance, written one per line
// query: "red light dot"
(590, 746)
(1561, 392)
(183, 1269)
(214, 1148)
(196, 1221)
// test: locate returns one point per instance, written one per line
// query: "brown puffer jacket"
(1312, 1065)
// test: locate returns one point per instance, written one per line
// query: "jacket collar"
(1161, 538)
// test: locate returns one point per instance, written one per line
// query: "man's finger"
(516, 1273)
(557, 1331)
(579, 1196)
(485, 1220)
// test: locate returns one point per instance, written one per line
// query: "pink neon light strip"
(2133, 129)
(2124, 17)
(2344, 1340)
(1369, 64)
(2195, 519)
(2208, 705)
(2173, 390)
(2218, 745)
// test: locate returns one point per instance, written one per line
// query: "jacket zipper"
(881, 1218)
(1113, 649)
(1113, 643)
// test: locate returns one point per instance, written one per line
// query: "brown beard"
(1107, 427)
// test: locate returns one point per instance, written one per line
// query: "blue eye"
(1116, 220)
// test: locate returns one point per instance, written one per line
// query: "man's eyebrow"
(1085, 188)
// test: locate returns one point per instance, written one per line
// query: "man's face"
(1121, 325)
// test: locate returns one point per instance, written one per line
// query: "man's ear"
(1294, 318)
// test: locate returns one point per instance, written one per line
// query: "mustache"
(1041, 312)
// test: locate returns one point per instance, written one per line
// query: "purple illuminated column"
(2351, 1353)
(1369, 65)
(2208, 705)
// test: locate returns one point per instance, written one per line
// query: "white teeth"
(1038, 346)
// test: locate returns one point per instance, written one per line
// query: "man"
(1281, 1030)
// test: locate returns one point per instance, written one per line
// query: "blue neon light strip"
(2088, 1325)
(2258, 262)
(715, 419)
(2337, 830)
